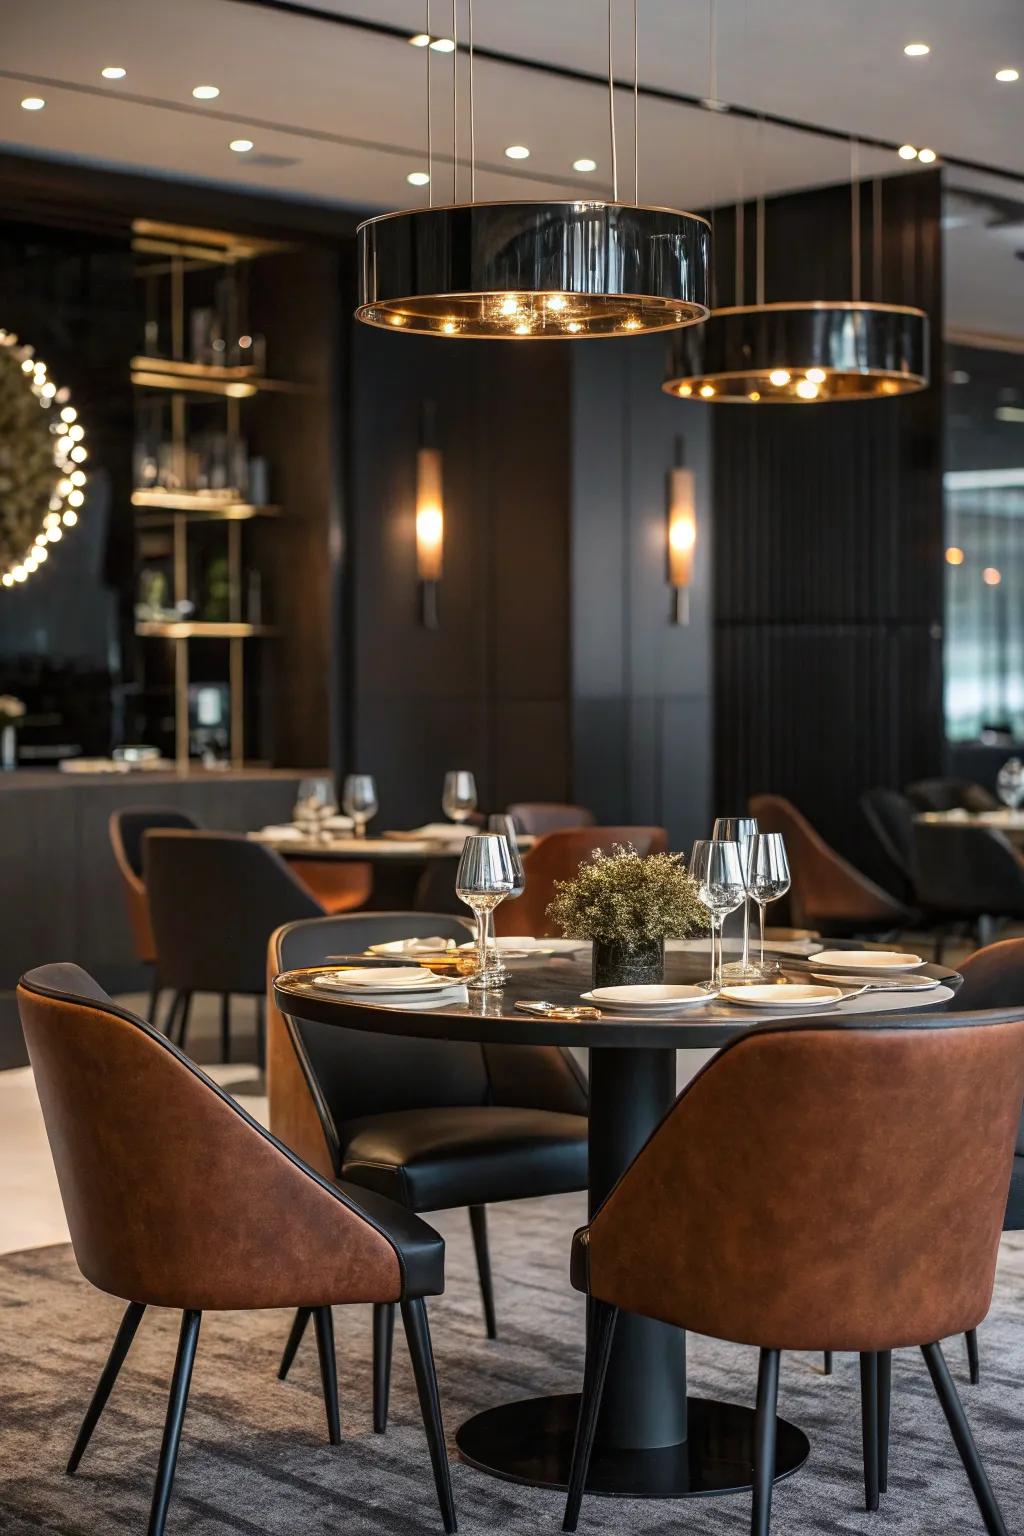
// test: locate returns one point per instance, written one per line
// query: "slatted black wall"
(828, 540)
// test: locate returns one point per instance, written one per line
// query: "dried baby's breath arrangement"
(621, 898)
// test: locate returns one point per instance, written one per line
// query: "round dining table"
(652, 1439)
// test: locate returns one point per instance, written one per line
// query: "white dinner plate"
(654, 997)
(383, 978)
(864, 960)
(535, 949)
(790, 994)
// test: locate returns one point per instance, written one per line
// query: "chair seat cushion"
(420, 1248)
(429, 1159)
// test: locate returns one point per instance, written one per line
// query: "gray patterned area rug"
(255, 1460)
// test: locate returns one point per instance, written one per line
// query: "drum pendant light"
(804, 352)
(532, 270)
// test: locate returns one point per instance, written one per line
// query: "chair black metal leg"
(764, 1441)
(600, 1332)
(225, 1027)
(302, 1317)
(869, 1426)
(261, 1034)
(973, 1363)
(183, 1018)
(478, 1225)
(171, 1015)
(417, 1333)
(828, 1362)
(328, 1370)
(952, 1407)
(383, 1338)
(884, 1405)
(180, 1383)
(154, 997)
(118, 1350)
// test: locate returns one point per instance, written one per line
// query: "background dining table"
(653, 1440)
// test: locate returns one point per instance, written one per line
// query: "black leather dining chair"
(431, 1124)
(950, 795)
(968, 875)
(890, 816)
(215, 898)
(127, 827)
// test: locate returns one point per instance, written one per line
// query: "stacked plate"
(532, 949)
(655, 998)
(787, 995)
(864, 960)
(395, 985)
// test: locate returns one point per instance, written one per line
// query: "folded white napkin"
(444, 831)
(283, 834)
(413, 947)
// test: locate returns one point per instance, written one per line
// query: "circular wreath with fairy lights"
(42, 451)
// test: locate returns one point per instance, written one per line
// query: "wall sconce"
(429, 531)
(681, 536)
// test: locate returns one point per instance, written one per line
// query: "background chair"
(557, 856)
(890, 816)
(968, 876)
(127, 828)
(429, 1123)
(788, 1126)
(215, 898)
(175, 1197)
(826, 893)
(536, 817)
(950, 795)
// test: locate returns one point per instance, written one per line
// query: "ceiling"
(337, 113)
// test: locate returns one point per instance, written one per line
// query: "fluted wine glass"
(739, 829)
(717, 867)
(359, 800)
(483, 882)
(767, 873)
(458, 798)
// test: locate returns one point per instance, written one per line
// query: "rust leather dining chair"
(717, 1225)
(175, 1197)
(536, 817)
(127, 828)
(432, 1124)
(557, 856)
(826, 893)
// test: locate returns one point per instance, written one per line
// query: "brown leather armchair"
(175, 1197)
(826, 893)
(557, 856)
(537, 817)
(716, 1226)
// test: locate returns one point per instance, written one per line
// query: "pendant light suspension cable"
(455, 101)
(876, 239)
(636, 108)
(472, 114)
(854, 222)
(611, 110)
(430, 121)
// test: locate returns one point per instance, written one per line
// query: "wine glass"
(717, 868)
(359, 799)
(483, 881)
(1010, 783)
(506, 826)
(739, 829)
(458, 799)
(767, 873)
(314, 803)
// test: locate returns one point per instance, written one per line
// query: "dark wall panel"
(828, 577)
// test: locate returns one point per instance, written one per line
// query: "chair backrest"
(994, 978)
(127, 828)
(825, 1186)
(557, 856)
(215, 898)
(891, 817)
(968, 871)
(174, 1196)
(950, 795)
(536, 817)
(826, 892)
(321, 1077)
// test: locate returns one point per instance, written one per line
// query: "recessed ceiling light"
(113, 72)
(443, 45)
(926, 156)
(417, 179)
(916, 50)
(33, 103)
(584, 165)
(517, 152)
(241, 146)
(907, 152)
(206, 92)
(420, 39)
(1007, 75)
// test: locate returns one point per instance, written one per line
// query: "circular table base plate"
(531, 1442)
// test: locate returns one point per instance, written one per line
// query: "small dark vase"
(628, 965)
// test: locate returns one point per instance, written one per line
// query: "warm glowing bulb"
(584, 165)
(954, 555)
(523, 328)
(443, 45)
(41, 554)
(632, 324)
(574, 327)
(907, 152)
(77, 477)
(816, 375)
(509, 305)
(79, 454)
(241, 146)
(76, 433)
(685, 390)
(517, 152)
(8, 579)
(991, 576)
(755, 395)
(418, 179)
(48, 391)
(26, 366)
(707, 390)
(70, 519)
(779, 377)
(448, 327)
(420, 40)
(65, 444)
(113, 72)
(68, 413)
(927, 156)
(206, 92)
(20, 573)
(33, 103)
(556, 301)
(429, 526)
(75, 499)
(1007, 76)
(31, 564)
(682, 533)
(916, 50)
(54, 534)
(806, 390)
(64, 487)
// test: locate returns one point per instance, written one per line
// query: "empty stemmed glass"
(458, 798)
(717, 867)
(314, 803)
(359, 799)
(739, 829)
(506, 827)
(483, 882)
(1010, 783)
(767, 873)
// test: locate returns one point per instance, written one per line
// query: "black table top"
(491, 1017)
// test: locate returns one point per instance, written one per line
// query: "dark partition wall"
(829, 538)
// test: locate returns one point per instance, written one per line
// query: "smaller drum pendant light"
(532, 270)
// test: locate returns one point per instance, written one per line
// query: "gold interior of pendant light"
(532, 270)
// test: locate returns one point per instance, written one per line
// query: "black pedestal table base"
(531, 1442)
